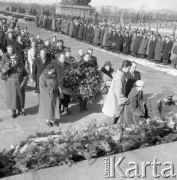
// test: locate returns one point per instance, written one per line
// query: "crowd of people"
(48, 65)
(136, 42)
(58, 77)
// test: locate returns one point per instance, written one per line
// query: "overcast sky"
(135, 4)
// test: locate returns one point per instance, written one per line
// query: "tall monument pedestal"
(74, 10)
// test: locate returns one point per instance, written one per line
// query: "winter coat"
(134, 112)
(81, 30)
(143, 46)
(119, 43)
(158, 50)
(15, 85)
(152, 49)
(101, 36)
(115, 99)
(167, 50)
(126, 45)
(132, 43)
(137, 44)
(173, 57)
(48, 97)
(96, 39)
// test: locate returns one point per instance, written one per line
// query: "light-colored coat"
(116, 95)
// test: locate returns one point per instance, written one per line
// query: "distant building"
(74, 10)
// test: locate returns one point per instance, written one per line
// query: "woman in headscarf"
(134, 113)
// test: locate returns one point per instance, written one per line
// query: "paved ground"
(12, 131)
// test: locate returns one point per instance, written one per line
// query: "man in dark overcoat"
(15, 85)
(167, 51)
(38, 67)
(137, 44)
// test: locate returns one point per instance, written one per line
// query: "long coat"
(132, 43)
(126, 45)
(101, 36)
(113, 105)
(143, 46)
(173, 57)
(96, 39)
(134, 111)
(48, 97)
(119, 43)
(158, 50)
(16, 77)
(71, 27)
(104, 38)
(167, 50)
(38, 67)
(151, 49)
(136, 47)
(109, 39)
(147, 49)
(81, 30)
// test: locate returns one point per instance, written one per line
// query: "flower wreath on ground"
(58, 148)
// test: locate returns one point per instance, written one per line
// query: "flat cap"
(168, 93)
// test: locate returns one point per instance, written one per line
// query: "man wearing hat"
(157, 103)
(15, 85)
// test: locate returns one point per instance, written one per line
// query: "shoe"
(54, 123)
(14, 114)
(20, 112)
(49, 123)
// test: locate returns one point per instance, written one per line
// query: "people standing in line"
(116, 98)
(16, 80)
